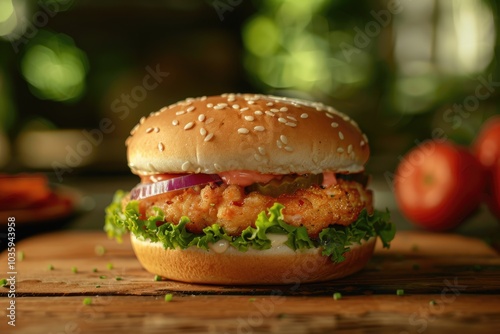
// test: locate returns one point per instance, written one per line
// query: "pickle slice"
(287, 185)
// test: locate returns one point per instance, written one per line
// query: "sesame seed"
(157, 129)
(341, 135)
(349, 149)
(188, 126)
(208, 137)
(161, 147)
(334, 124)
(161, 110)
(210, 120)
(365, 137)
(268, 113)
(210, 105)
(142, 119)
(222, 104)
(243, 131)
(304, 115)
(283, 109)
(284, 139)
(282, 120)
(262, 150)
(362, 143)
(329, 115)
(249, 118)
(251, 102)
(203, 132)
(149, 130)
(291, 124)
(244, 109)
(178, 113)
(190, 109)
(236, 106)
(175, 122)
(274, 110)
(218, 107)
(134, 129)
(217, 167)
(279, 144)
(203, 98)
(291, 118)
(269, 104)
(345, 118)
(289, 148)
(258, 112)
(231, 98)
(152, 167)
(201, 117)
(185, 166)
(259, 128)
(340, 150)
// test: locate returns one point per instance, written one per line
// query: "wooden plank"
(261, 314)
(419, 263)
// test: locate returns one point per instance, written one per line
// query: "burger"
(249, 189)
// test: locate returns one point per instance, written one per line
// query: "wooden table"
(451, 285)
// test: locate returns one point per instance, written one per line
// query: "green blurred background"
(405, 70)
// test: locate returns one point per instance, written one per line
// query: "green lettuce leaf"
(335, 241)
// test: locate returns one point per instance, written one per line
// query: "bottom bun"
(227, 265)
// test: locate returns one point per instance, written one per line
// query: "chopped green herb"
(3, 282)
(157, 278)
(74, 270)
(169, 297)
(118, 278)
(337, 296)
(97, 286)
(416, 266)
(94, 270)
(400, 292)
(102, 276)
(432, 302)
(87, 301)
(477, 267)
(110, 266)
(51, 267)
(251, 300)
(100, 250)
(20, 255)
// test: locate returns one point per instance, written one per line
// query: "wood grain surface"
(461, 275)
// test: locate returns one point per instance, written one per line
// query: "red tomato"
(493, 199)
(438, 184)
(487, 151)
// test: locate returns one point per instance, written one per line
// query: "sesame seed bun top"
(267, 134)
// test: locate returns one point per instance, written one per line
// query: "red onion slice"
(152, 189)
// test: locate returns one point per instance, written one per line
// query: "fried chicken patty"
(234, 210)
